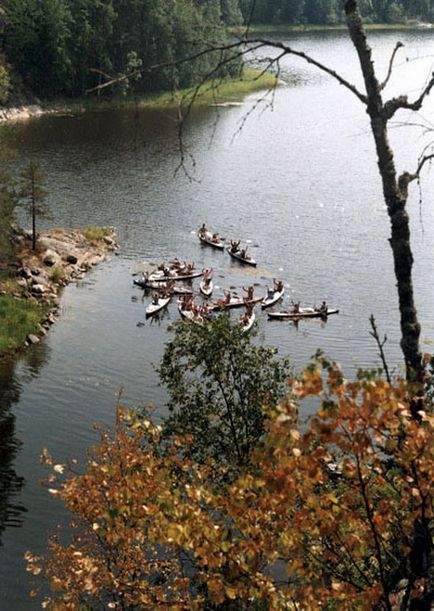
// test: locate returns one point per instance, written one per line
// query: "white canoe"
(272, 299)
(206, 290)
(160, 276)
(174, 290)
(233, 303)
(153, 308)
(191, 316)
(237, 255)
(303, 313)
(246, 326)
(207, 239)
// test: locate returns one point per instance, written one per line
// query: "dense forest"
(64, 47)
(330, 11)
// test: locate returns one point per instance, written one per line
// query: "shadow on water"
(11, 483)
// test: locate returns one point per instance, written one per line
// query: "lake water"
(298, 183)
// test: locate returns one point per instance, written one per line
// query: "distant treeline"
(330, 12)
(65, 47)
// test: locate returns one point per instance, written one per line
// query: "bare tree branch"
(391, 106)
(380, 344)
(143, 69)
(406, 178)
(389, 72)
(314, 62)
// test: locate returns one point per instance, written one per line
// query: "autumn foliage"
(333, 512)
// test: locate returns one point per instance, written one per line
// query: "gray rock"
(35, 271)
(50, 258)
(22, 282)
(33, 339)
(38, 289)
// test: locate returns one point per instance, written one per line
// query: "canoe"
(237, 255)
(175, 290)
(233, 303)
(206, 290)
(153, 308)
(247, 326)
(161, 277)
(303, 313)
(207, 239)
(189, 315)
(269, 301)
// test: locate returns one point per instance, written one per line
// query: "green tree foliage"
(68, 46)
(218, 382)
(8, 203)
(34, 194)
(5, 84)
(330, 11)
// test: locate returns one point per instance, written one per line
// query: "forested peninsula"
(64, 48)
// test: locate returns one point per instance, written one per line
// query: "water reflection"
(11, 483)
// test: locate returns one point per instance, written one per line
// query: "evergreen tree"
(34, 194)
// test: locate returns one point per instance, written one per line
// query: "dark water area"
(298, 183)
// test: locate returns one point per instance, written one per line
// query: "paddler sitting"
(155, 298)
(249, 290)
(278, 285)
(203, 230)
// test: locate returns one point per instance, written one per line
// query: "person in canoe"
(278, 285)
(270, 292)
(323, 308)
(227, 298)
(243, 254)
(155, 298)
(215, 238)
(249, 290)
(249, 308)
(245, 319)
(235, 245)
(203, 230)
(296, 307)
(190, 267)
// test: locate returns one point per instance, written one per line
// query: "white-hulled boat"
(147, 284)
(207, 238)
(237, 255)
(247, 323)
(234, 302)
(197, 319)
(160, 276)
(270, 300)
(206, 288)
(153, 308)
(303, 313)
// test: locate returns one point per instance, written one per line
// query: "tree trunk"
(33, 196)
(396, 199)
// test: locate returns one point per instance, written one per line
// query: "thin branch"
(143, 69)
(406, 178)
(380, 344)
(389, 72)
(311, 60)
(395, 104)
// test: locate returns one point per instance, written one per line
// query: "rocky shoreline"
(20, 113)
(61, 257)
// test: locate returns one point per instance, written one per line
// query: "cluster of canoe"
(234, 249)
(163, 280)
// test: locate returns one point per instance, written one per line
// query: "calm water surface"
(299, 183)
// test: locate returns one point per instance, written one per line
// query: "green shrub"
(18, 318)
(95, 233)
(57, 274)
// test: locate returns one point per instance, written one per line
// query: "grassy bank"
(18, 319)
(276, 29)
(211, 92)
